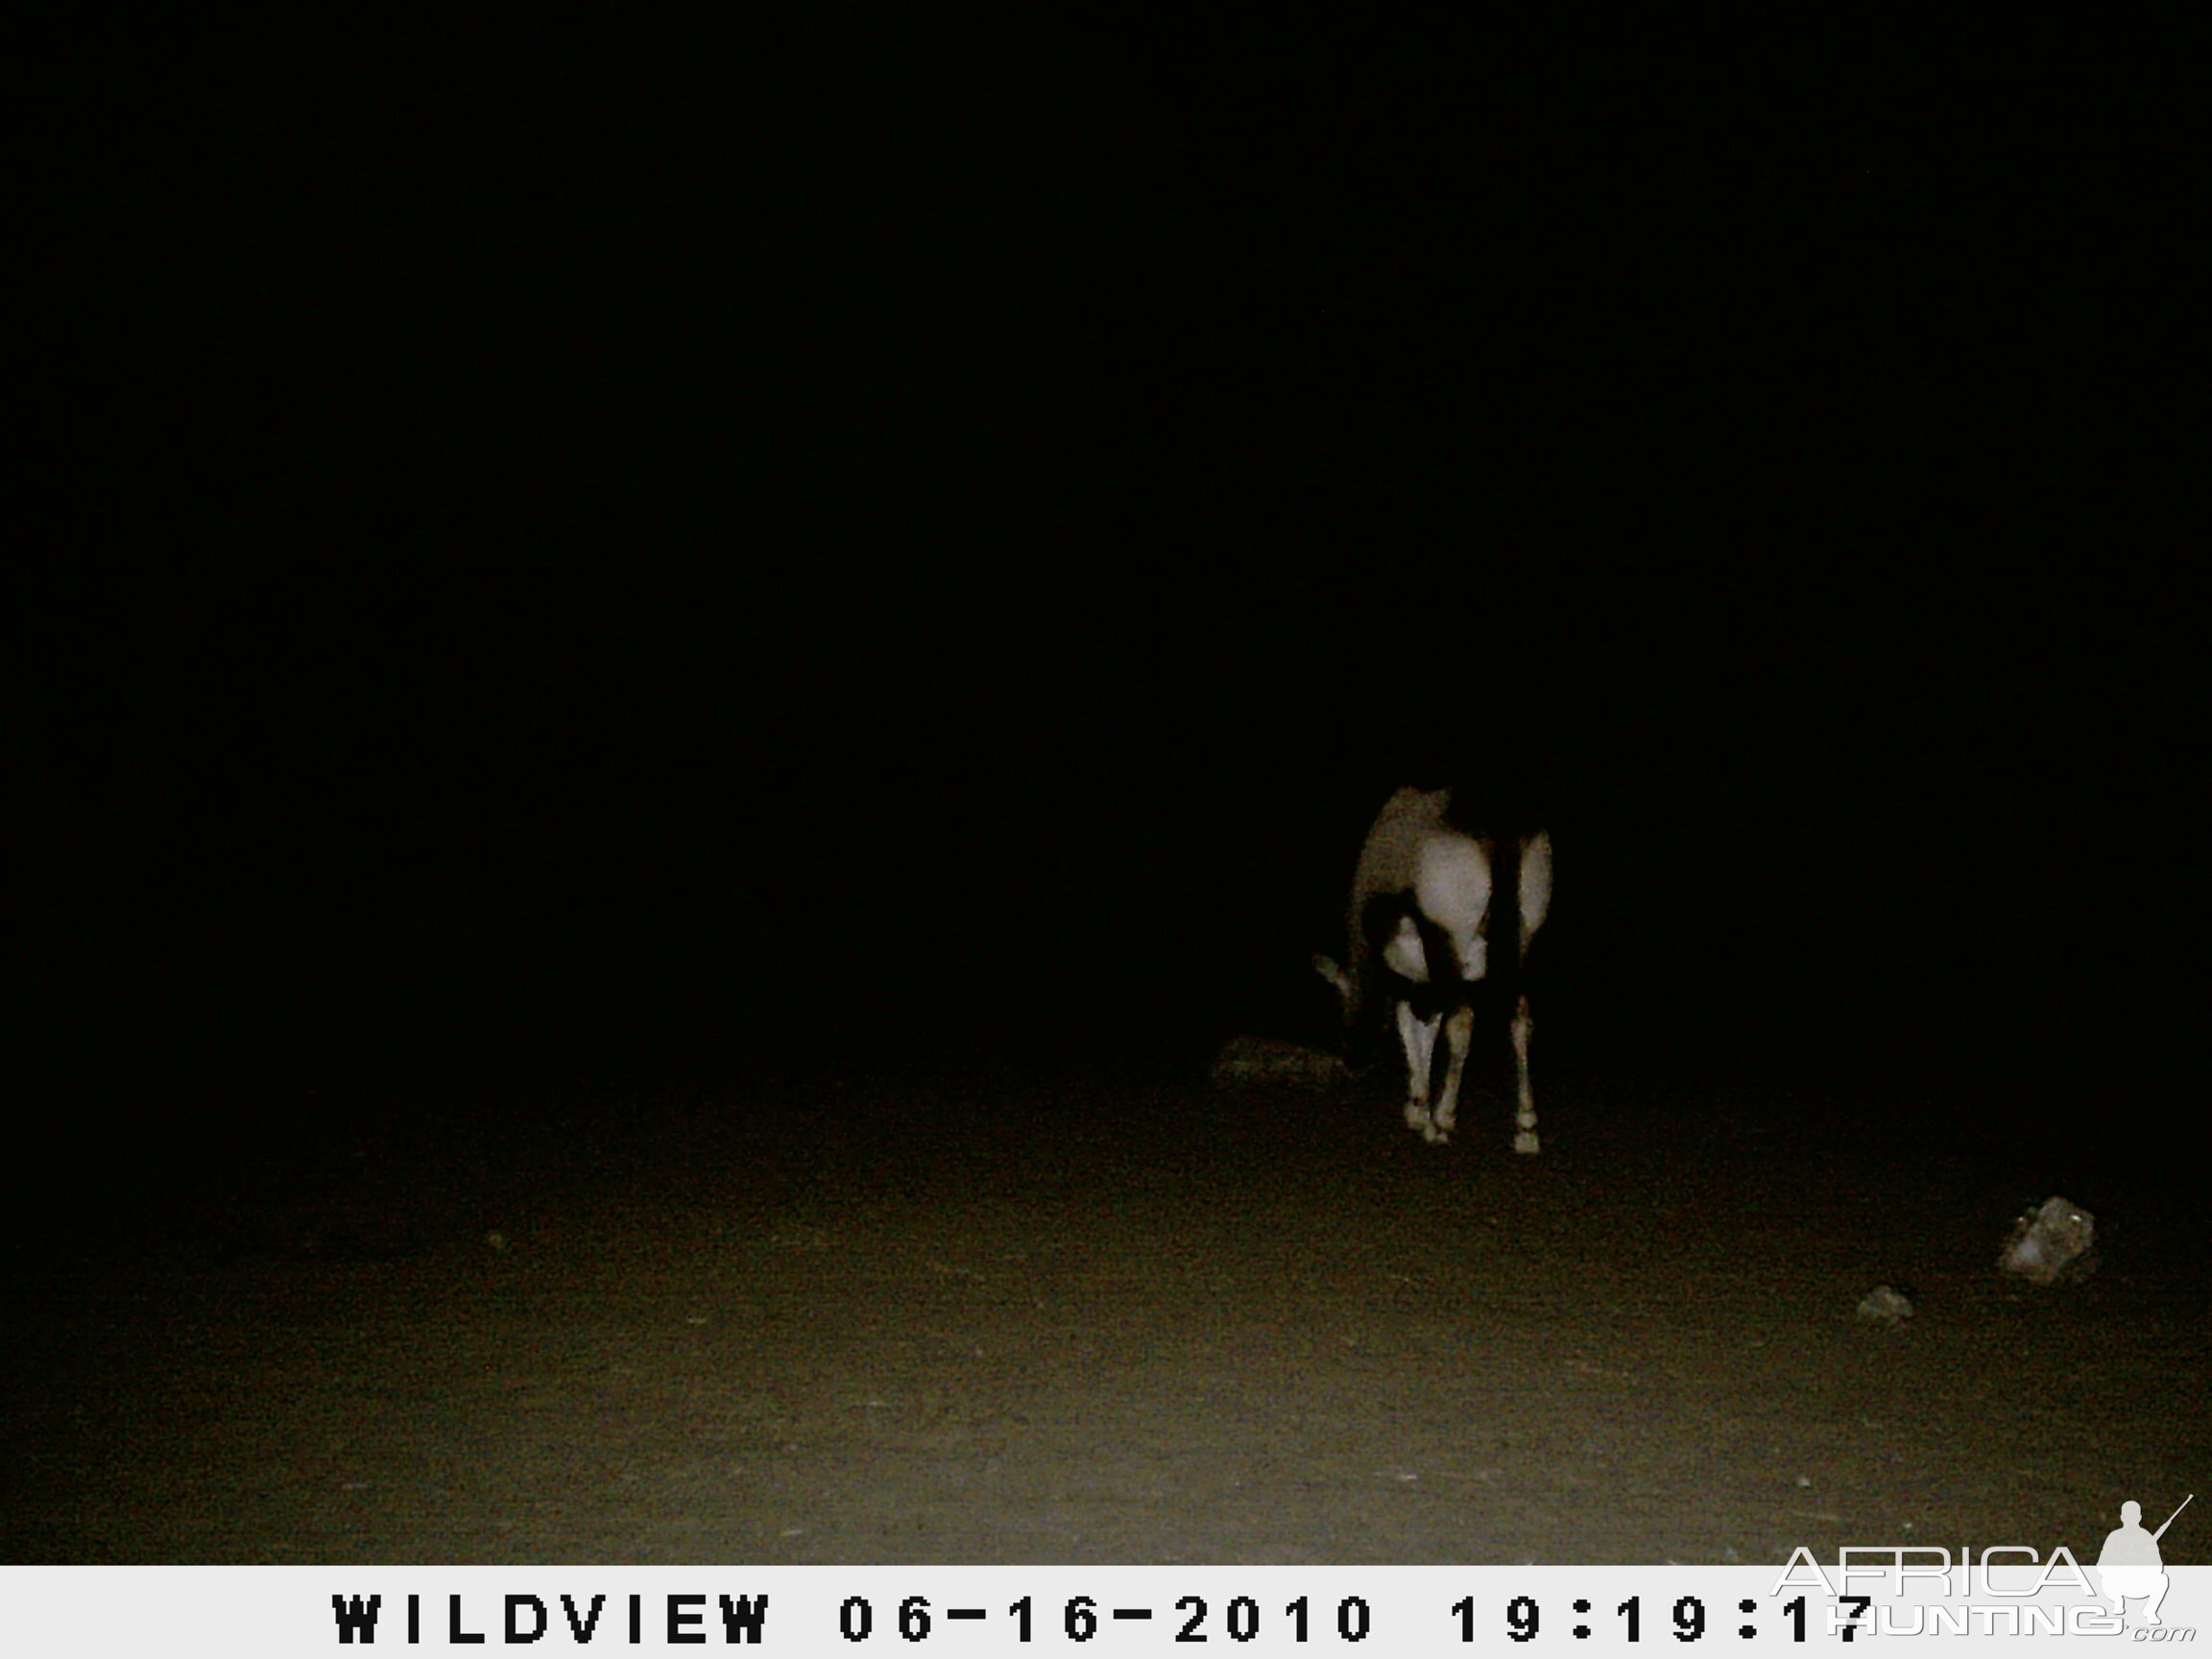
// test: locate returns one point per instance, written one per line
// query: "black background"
(573, 562)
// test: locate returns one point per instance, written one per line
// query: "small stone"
(2054, 1243)
(1884, 1307)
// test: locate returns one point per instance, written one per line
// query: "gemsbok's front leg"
(1525, 1115)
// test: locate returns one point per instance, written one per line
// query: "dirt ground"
(1006, 1320)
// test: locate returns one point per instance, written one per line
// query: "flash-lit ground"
(1011, 1320)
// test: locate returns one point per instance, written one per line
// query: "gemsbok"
(1422, 929)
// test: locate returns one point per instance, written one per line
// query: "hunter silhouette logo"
(2129, 1563)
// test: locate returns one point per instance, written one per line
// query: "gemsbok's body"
(1424, 927)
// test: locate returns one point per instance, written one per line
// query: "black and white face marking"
(1420, 932)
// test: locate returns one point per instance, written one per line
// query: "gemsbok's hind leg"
(1524, 1113)
(1418, 1037)
(1458, 1030)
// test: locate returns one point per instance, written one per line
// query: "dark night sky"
(588, 556)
